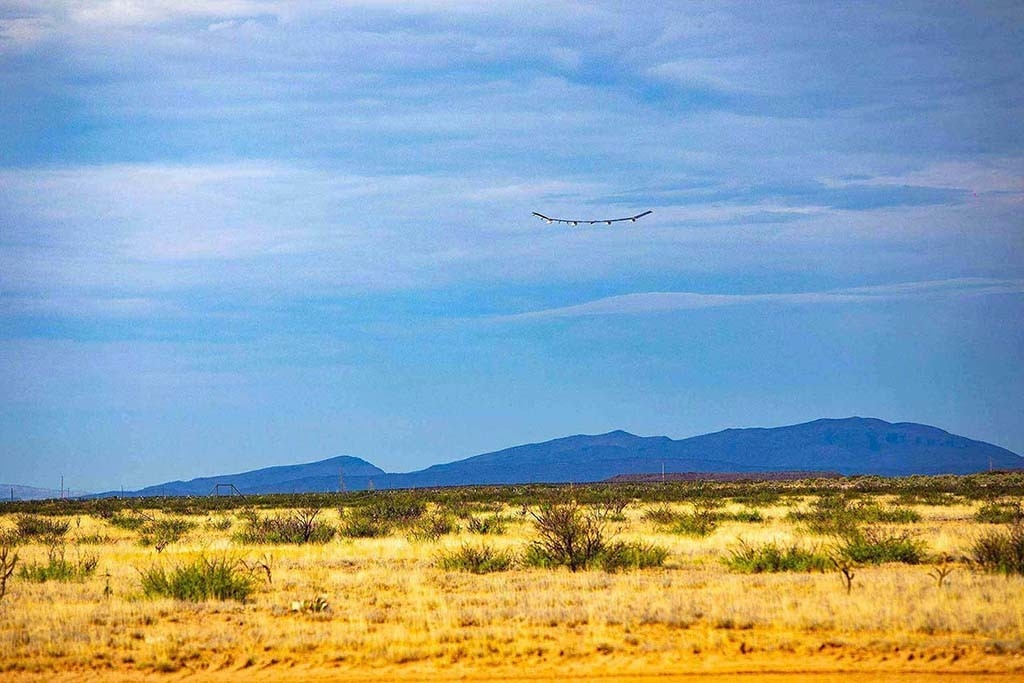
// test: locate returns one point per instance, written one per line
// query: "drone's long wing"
(606, 221)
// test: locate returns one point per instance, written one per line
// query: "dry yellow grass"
(394, 613)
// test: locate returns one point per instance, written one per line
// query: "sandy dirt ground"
(918, 666)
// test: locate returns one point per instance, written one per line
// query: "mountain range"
(848, 446)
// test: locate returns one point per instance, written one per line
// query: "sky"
(244, 233)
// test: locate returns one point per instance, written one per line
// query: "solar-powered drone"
(574, 222)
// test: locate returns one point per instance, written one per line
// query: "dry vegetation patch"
(620, 589)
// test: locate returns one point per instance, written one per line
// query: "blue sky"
(240, 233)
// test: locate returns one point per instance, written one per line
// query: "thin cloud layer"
(665, 302)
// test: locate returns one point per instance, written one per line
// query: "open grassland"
(383, 585)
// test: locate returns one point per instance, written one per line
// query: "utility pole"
(341, 481)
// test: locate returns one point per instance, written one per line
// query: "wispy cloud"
(665, 302)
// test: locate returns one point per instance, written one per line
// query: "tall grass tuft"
(201, 579)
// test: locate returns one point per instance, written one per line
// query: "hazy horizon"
(251, 233)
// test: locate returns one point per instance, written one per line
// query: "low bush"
(59, 568)
(218, 523)
(92, 539)
(361, 525)
(663, 514)
(481, 559)
(838, 515)
(749, 515)
(395, 509)
(298, 526)
(491, 525)
(763, 498)
(1000, 551)
(878, 546)
(384, 513)
(201, 579)
(569, 535)
(933, 498)
(699, 523)
(160, 533)
(127, 520)
(621, 556)
(771, 557)
(32, 526)
(1000, 513)
(433, 526)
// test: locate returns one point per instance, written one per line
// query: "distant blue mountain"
(328, 475)
(849, 446)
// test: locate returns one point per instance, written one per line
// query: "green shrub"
(298, 526)
(219, 523)
(663, 514)
(359, 524)
(92, 539)
(384, 513)
(838, 515)
(59, 568)
(999, 513)
(762, 498)
(1000, 551)
(480, 559)
(699, 523)
(396, 509)
(933, 498)
(878, 546)
(202, 579)
(433, 526)
(621, 556)
(162, 532)
(537, 558)
(33, 526)
(750, 515)
(770, 557)
(127, 520)
(492, 524)
(891, 515)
